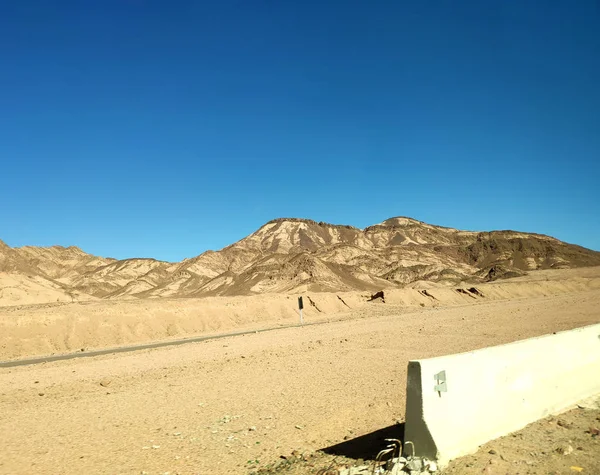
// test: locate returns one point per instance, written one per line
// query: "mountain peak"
(289, 235)
(401, 221)
(308, 222)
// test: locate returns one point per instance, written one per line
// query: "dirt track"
(230, 405)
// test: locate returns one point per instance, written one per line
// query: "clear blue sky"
(162, 129)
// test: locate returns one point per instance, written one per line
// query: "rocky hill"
(291, 255)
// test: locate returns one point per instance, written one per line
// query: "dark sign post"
(300, 306)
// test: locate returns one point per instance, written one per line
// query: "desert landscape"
(237, 403)
(58, 300)
(277, 238)
(289, 255)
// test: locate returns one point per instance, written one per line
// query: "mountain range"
(290, 255)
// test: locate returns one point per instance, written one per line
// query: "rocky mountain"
(293, 255)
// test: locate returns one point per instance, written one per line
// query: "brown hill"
(291, 255)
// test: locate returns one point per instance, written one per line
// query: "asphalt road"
(145, 346)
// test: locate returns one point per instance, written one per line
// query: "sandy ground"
(237, 404)
(35, 330)
(567, 443)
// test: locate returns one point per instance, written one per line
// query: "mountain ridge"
(293, 255)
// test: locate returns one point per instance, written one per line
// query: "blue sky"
(162, 129)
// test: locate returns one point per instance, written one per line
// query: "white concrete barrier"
(484, 394)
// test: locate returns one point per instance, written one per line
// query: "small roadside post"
(300, 306)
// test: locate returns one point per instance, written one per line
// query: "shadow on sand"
(367, 446)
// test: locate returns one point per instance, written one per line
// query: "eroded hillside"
(290, 255)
